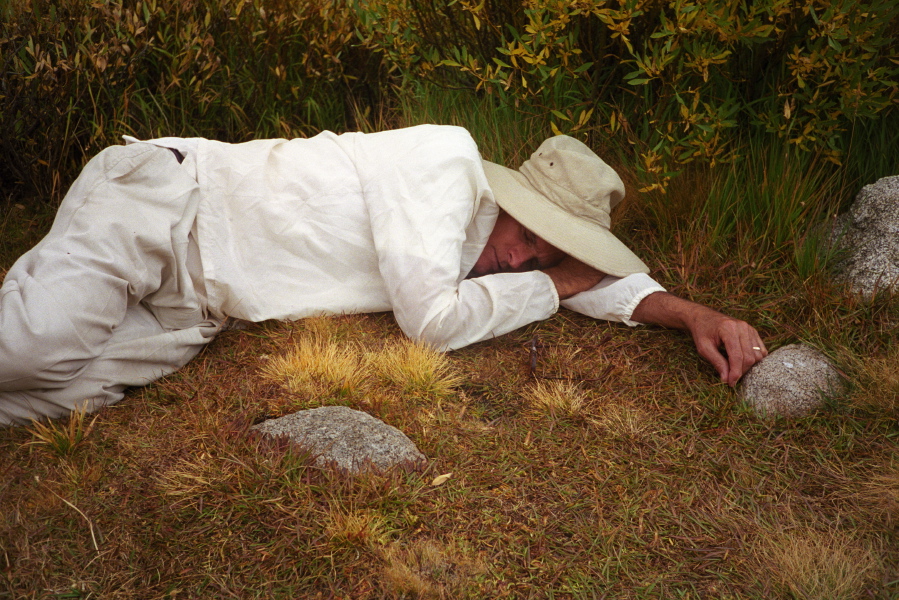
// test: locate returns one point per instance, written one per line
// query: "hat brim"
(588, 242)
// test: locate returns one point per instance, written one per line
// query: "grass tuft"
(623, 422)
(426, 569)
(357, 528)
(557, 399)
(318, 366)
(62, 438)
(416, 369)
(820, 565)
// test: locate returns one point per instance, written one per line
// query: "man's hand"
(571, 277)
(711, 330)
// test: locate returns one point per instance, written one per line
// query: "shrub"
(676, 79)
(77, 75)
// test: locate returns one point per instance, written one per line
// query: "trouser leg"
(120, 238)
(139, 351)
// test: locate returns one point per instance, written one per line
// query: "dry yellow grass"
(816, 565)
(623, 421)
(318, 366)
(321, 365)
(415, 369)
(556, 399)
(363, 528)
(877, 380)
(427, 570)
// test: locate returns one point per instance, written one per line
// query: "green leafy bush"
(680, 81)
(77, 75)
(676, 78)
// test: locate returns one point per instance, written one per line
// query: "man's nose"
(519, 255)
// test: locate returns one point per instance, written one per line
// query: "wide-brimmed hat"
(564, 194)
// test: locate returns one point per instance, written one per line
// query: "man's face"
(513, 249)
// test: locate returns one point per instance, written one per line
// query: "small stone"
(790, 382)
(351, 440)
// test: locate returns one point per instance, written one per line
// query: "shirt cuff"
(614, 298)
(554, 293)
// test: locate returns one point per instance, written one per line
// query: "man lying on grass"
(158, 243)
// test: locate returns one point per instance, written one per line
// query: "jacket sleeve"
(422, 187)
(614, 298)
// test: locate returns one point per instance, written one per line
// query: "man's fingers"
(744, 348)
(713, 333)
(740, 358)
(709, 351)
(740, 342)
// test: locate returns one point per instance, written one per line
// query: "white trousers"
(109, 298)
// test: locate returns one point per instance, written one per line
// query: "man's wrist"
(668, 310)
(571, 277)
(568, 284)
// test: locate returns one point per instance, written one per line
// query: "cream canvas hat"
(564, 194)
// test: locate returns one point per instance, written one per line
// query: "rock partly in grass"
(351, 440)
(790, 382)
(868, 237)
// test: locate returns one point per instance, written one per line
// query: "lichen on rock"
(351, 440)
(867, 239)
(791, 382)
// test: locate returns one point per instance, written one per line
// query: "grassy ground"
(624, 469)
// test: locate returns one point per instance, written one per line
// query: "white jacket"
(357, 223)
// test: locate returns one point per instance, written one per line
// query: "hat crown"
(575, 179)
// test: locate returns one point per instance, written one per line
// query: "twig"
(89, 522)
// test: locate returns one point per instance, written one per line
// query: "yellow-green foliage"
(675, 77)
(77, 75)
(678, 80)
(62, 438)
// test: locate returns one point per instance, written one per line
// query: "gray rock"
(791, 381)
(352, 440)
(868, 237)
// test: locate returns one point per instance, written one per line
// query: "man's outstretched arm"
(711, 330)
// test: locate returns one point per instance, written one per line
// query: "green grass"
(637, 476)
